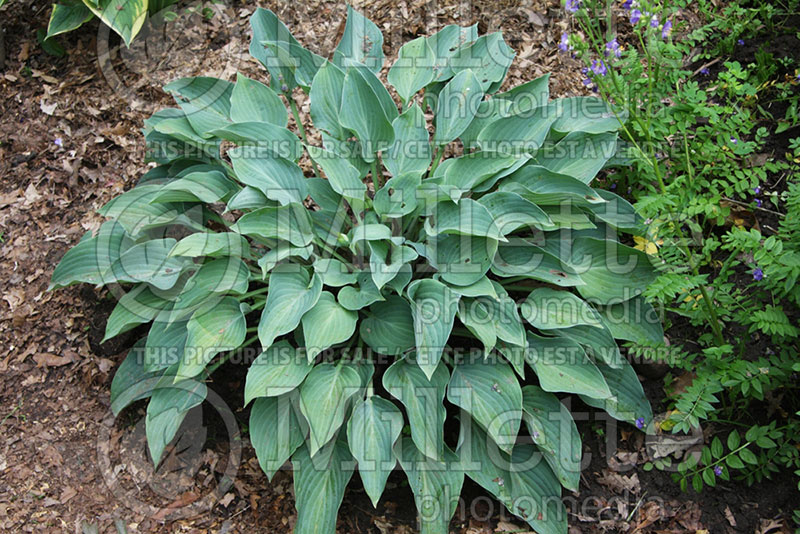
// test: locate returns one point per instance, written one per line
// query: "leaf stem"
(437, 159)
(253, 293)
(302, 130)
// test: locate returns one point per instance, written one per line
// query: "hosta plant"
(393, 288)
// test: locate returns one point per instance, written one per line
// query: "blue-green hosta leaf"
(489, 57)
(353, 298)
(468, 217)
(634, 320)
(472, 169)
(211, 245)
(561, 365)
(276, 430)
(365, 115)
(303, 63)
(445, 43)
(139, 305)
(422, 398)
(208, 187)
(398, 196)
(549, 309)
(267, 28)
(411, 150)
(372, 430)
(212, 329)
(489, 391)
(489, 183)
(505, 316)
(511, 212)
(326, 99)
(458, 103)
(344, 178)
(65, 18)
(544, 187)
(477, 317)
(616, 212)
(319, 486)
(278, 178)
(598, 342)
(276, 371)
(280, 252)
(292, 292)
(369, 231)
(460, 260)
(399, 282)
(535, 491)
(205, 101)
(483, 462)
(166, 411)
(327, 324)
(323, 400)
(520, 257)
(433, 307)
(389, 327)
(579, 154)
(628, 401)
(553, 430)
(489, 111)
(252, 101)
(125, 17)
(568, 217)
(132, 381)
(588, 114)
(136, 213)
(361, 42)
(517, 134)
(165, 343)
(262, 139)
(149, 262)
(482, 288)
(334, 273)
(612, 272)
(386, 259)
(290, 223)
(435, 484)
(90, 260)
(529, 95)
(413, 69)
(213, 278)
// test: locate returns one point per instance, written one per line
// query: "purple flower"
(599, 67)
(797, 77)
(640, 423)
(718, 470)
(284, 88)
(636, 16)
(740, 42)
(587, 82)
(613, 186)
(757, 189)
(612, 47)
(704, 71)
(733, 140)
(758, 274)
(654, 22)
(564, 44)
(626, 5)
(58, 142)
(758, 202)
(666, 30)
(573, 5)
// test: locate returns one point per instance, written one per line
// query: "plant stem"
(302, 130)
(253, 293)
(437, 159)
(222, 360)
(376, 175)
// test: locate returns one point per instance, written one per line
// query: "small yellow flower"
(647, 246)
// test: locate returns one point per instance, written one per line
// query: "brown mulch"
(69, 142)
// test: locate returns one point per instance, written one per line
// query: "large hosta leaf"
(489, 57)
(323, 399)
(167, 408)
(66, 17)
(488, 390)
(252, 101)
(467, 217)
(212, 245)
(211, 330)
(365, 115)
(411, 150)
(461, 260)
(511, 212)
(149, 262)
(276, 430)
(90, 260)
(520, 257)
(517, 134)
(548, 309)
(215, 277)
(612, 272)
(422, 397)
(435, 484)
(326, 99)
(553, 430)
(458, 103)
(267, 28)
(361, 42)
(372, 431)
(413, 69)
(139, 305)
(628, 401)
(633, 320)
(125, 17)
(433, 307)
(344, 178)
(259, 138)
(386, 259)
(588, 114)
(580, 155)
(319, 488)
(562, 366)
(389, 327)
(327, 324)
(277, 371)
(353, 298)
(278, 178)
(292, 292)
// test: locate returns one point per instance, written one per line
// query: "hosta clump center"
(358, 283)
